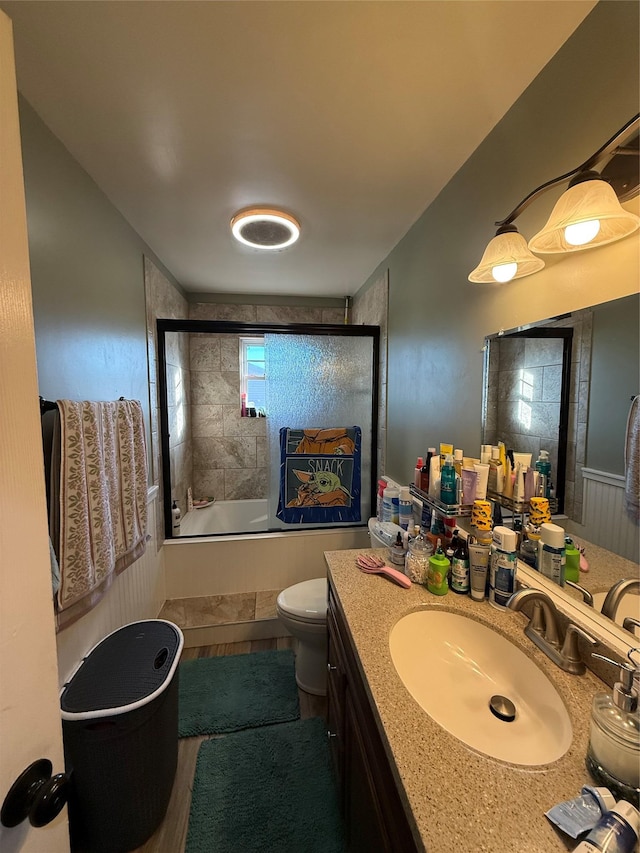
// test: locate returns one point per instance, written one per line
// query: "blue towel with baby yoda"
(319, 475)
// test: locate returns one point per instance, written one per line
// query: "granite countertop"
(605, 568)
(460, 799)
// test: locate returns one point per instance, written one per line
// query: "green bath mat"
(268, 790)
(225, 694)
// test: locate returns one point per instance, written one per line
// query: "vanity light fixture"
(588, 214)
(505, 258)
(265, 228)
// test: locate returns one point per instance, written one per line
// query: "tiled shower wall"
(371, 309)
(164, 301)
(229, 452)
(542, 359)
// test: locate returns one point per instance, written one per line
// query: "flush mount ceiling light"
(265, 228)
(587, 215)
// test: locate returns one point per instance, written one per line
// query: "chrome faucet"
(543, 630)
(586, 595)
(615, 594)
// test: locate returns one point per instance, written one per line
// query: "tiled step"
(212, 619)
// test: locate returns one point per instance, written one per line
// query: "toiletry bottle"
(613, 756)
(438, 571)
(405, 508)
(543, 467)
(496, 472)
(448, 482)
(436, 534)
(418, 472)
(572, 564)
(417, 559)
(616, 832)
(551, 555)
(175, 519)
(502, 567)
(529, 546)
(434, 476)
(379, 498)
(424, 474)
(478, 568)
(460, 580)
(391, 503)
(458, 456)
(397, 552)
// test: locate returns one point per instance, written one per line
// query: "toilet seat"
(305, 602)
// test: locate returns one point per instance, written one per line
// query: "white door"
(30, 725)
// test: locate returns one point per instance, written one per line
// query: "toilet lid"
(306, 600)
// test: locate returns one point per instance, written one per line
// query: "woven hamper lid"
(126, 668)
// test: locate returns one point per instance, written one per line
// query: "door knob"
(35, 794)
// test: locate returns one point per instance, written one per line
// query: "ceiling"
(352, 116)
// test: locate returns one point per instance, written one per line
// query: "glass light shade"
(503, 250)
(586, 202)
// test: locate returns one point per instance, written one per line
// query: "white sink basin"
(453, 666)
(629, 606)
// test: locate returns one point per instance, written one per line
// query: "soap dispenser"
(613, 757)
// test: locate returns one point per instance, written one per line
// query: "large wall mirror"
(566, 385)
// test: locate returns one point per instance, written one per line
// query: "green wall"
(615, 379)
(437, 319)
(86, 275)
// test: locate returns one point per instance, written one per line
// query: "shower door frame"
(226, 327)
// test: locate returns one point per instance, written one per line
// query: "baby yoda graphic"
(319, 488)
(327, 441)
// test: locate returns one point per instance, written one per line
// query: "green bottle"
(572, 566)
(438, 571)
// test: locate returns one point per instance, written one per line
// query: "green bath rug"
(225, 694)
(268, 790)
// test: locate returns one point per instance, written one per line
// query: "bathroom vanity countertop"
(459, 799)
(605, 569)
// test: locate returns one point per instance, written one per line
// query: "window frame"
(244, 343)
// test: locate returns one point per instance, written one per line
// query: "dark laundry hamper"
(120, 731)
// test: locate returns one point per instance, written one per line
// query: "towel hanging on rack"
(103, 499)
(632, 461)
(319, 475)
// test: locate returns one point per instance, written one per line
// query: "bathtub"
(248, 516)
(220, 565)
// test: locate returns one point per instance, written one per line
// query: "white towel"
(103, 499)
(632, 461)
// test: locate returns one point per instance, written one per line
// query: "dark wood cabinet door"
(374, 815)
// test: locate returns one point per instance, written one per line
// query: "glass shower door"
(320, 382)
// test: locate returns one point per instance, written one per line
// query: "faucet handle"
(629, 623)
(586, 595)
(570, 652)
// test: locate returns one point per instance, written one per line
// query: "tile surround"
(221, 609)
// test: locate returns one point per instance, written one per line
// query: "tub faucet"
(615, 594)
(543, 630)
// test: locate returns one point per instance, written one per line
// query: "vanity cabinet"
(375, 819)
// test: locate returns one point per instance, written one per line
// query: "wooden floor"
(170, 837)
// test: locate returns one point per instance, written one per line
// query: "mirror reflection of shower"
(229, 389)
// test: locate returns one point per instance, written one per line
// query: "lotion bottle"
(616, 831)
(175, 519)
(437, 572)
(448, 491)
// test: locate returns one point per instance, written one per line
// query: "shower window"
(253, 376)
(222, 469)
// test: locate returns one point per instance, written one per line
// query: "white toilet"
(303, 610)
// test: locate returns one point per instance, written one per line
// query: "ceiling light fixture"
(265, 228)
(588, 214)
